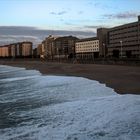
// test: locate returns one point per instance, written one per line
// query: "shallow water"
(33, 106)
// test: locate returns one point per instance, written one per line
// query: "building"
(26, 49)
(102, 34)
(4, 51)
(16, 50)
(87, 48)
(124, 40)
(35, 53)
(49, 49)
(39, 50)
(64, 47)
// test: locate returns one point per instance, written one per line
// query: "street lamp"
(121, 48)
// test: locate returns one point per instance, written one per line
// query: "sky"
(73, 17)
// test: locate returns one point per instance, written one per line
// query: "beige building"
(48, 47)
(4, 51)
(16, 50)
(87, 48)
(26, 49)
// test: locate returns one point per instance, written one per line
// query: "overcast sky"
(38, 18)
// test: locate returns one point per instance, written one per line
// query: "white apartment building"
(87, 48)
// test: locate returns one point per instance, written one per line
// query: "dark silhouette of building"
(102, 34)
(64, 47)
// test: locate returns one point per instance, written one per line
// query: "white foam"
(79, 109)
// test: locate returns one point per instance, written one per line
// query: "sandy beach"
(123, 79)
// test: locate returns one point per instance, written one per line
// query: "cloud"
(12, 34)
(95, 26)
(58, 13)
(97, 4)
(125, 15)
(7, 39)
(100, 5)
(92, 27)
(80, 12)
(69, 23)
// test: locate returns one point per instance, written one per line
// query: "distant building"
(26, 49)
(16, 50)
(48, 45)
(39, 50)
(4, 51)
(87, 48)
(102, 34)
(124, 40)
(19, 50)
(64, 47)
(35, 53)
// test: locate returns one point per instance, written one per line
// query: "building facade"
(64, 47)
(26, 49)
(87, 48)
(16, 50)
(102, 34)
(48, 45)
(4, 51)
(124, 40)
(39, 51)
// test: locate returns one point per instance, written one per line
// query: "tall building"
(48, 45)
(102, 34)
(124, 40)
(87, 48)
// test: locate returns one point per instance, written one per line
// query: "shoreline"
(123, 79)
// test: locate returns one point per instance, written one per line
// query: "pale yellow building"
(87, 48)
(4, 51)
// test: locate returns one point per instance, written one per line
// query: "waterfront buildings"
(4, 51)
(59, 47)
(124, 40)
(16, 50)
(117, 42)
(87, 48)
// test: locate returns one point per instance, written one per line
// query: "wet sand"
(123, 79)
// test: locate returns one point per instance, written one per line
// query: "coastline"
(123, 79)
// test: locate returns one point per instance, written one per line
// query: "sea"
(48, 107)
